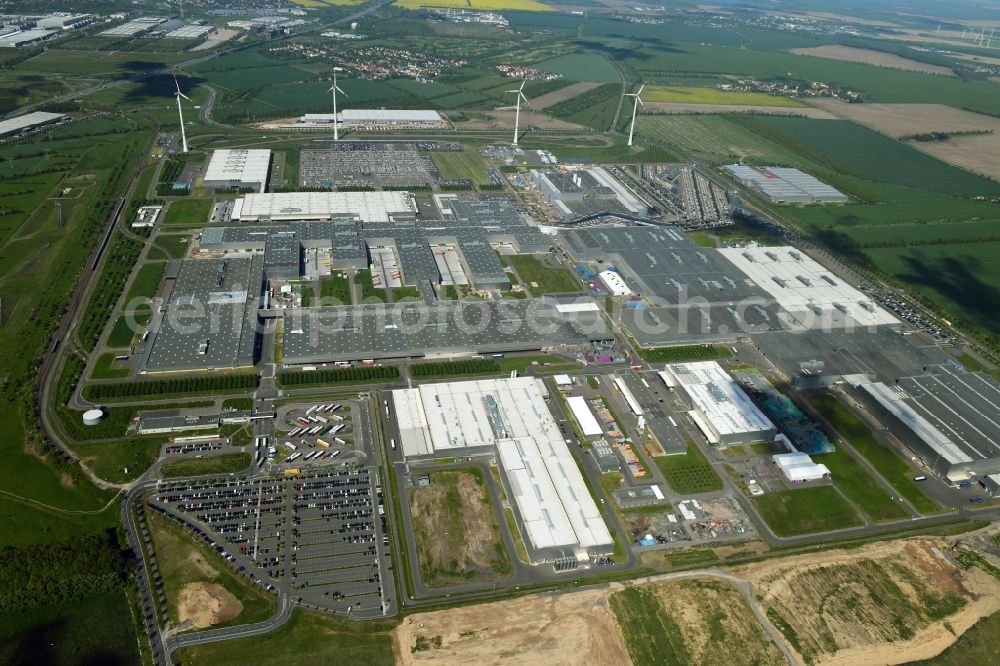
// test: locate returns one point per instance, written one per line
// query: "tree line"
(335, 375)
(61, 572)
(168, 386)
(472, 366)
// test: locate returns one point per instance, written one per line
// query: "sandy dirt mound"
(885, 603)
(206, 604)
(567, 629)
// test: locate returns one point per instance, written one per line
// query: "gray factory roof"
(472, 225)
(28, 121)
(784, 184)
(374, 331)
(211, 316)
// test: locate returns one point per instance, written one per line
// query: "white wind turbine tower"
(517, 108)
(635, 109)
(180, 114)
(334, 89)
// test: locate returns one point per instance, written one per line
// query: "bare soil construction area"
(977, 152)
(872, 57)
(568, 629)
(206, 604)
(686, 108)
(885, 603)
(561, 95)
(458, 537)
(890, 602)
(505, 120)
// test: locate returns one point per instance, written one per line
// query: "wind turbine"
(517, 107)
(635, 109)
(334, 89)
(180, 114)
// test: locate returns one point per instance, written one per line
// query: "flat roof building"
(29, 121)
(377, 118)
(615, 284)
(811, 295)
(719, 407)
(238, 168)
(325, 206)
(784, 185)
(948, 416)
(799, 467)
(555, 510)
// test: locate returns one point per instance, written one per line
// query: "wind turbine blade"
(341, 91)
(522, 85)
(183, 95)
(641, 103)
(641, 88)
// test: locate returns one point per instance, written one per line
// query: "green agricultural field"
(233, 462)
(463, 164)
(963, 279)
(540, 278)
(188, 212)
(691, 95)
(307, 638)
(97, 630)
(690, 473)
(805, 511)
(894, 469)
(97, 64)
(104, 368)
(859, 487)
(715, 140)
(581, 66)
(855, 149)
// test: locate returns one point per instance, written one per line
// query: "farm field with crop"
(715, 140)
(462, 164)
(851, 148)
(692, 95)
(805, 510)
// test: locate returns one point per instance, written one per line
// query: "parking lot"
(340, 543)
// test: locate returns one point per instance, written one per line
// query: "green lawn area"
(188, 212)
(182, 560)
(307, 638)
(96, 630)
(462, 164)
(805, 510)
(683, 353)
(103, 368)
(232, 462)
(404, 293)
(489, 366)
(447, 292)
(111, 459)
(894, 469)
(859, 487)
(174, 246)
(121, 334)
(336, 289)
(549, 279)
(689, 473)
(146, 283)
(369, 294)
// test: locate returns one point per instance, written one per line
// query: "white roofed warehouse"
(325, 206)
(719, 407)
(509, 418)
(238, 168)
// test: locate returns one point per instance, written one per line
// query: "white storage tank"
(93, 416)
